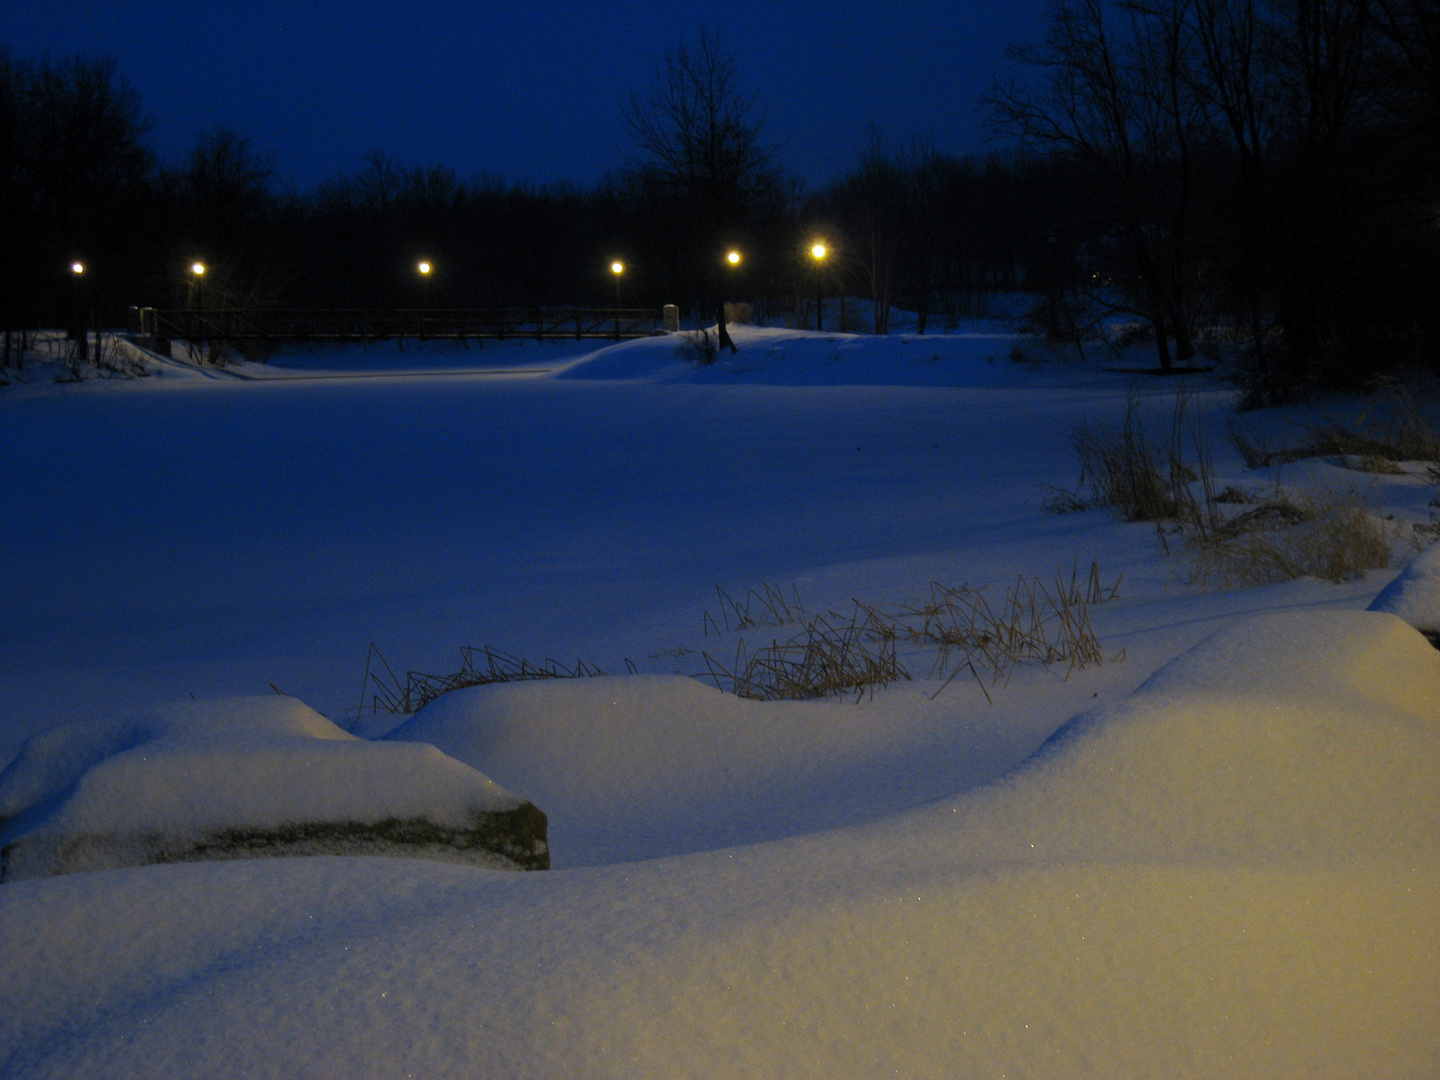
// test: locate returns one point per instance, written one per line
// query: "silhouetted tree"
(222, 202)
(1116, 94)
(701, 149)
(83, 149)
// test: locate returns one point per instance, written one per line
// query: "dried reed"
(479, 667)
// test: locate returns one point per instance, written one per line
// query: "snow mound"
(1296, 735)
(642, 766)
(1415, 595)
(244, 777)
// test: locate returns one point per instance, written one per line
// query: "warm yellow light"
(733, 258)
(77, 267)
(818, 251)
(198, 269)
(424, 267)
(617, 268)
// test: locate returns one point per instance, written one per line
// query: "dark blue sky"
(528, 91)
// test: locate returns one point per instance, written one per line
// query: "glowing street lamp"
(733, 258)
(818, 252)
(77, 334)
(425, 268)
(197, 274)
(616, 269)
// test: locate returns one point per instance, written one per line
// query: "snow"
(131, 790)
(1415, 595)
(1217, 856)
(651, 765)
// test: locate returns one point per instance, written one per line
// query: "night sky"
(531, 92)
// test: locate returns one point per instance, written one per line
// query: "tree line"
(1268, 166)
(79, 182)
(1260, 177)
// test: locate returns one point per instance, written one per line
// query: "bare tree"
(1116, 93)
(873, 199)
(699, 139)
(83, 146)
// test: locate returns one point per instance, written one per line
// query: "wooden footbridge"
(422, 324)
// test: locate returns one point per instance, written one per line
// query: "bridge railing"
(357, 324)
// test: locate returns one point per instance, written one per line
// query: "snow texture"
(1234, 871)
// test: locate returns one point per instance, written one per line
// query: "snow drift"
(644, 766)
(1233, 872)
(1415, 595)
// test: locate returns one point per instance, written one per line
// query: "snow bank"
(780, 357)
(1235, 872)
(242, 777)
(1415, 595)
(650, 765)
(1291, 736)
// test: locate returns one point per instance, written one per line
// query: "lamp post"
(733, 259)
(617, 268)
(424, 268)
(77, 271)
(818, 252)
(197, 283)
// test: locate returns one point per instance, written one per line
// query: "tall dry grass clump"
(1233, 539)
(1121, 467)
(1298, 535)
(1035, 622)
(830, 656)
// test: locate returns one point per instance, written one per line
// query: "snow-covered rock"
(242, 778)
(1415, 594)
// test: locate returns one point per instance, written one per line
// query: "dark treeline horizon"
(80, 184)
(1261, 176)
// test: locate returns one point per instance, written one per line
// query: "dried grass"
(383, 691)
(766, 606)
(1391, 428)
(1037, 622)
(831, 656)
(699, 346)
(1331, 537)
(1288, 535)
(1121, 468)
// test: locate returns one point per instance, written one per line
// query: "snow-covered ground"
(1216, 855)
